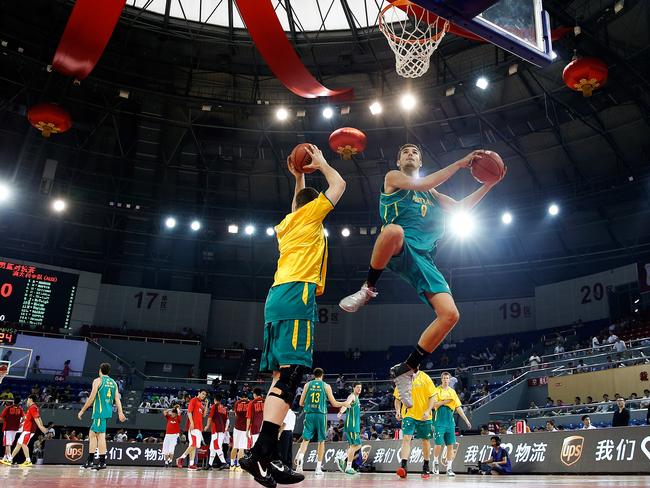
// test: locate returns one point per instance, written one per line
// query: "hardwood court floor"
(138, 477)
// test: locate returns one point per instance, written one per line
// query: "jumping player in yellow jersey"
(102, 396)
(412, 211)
(290, 314)
(416, 421)
(446, 403)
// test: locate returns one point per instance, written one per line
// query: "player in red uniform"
(239, 438)
(195, 412)
(254, 417)
(172, 432)
(32, 420)
(218, 423)
(11, 416)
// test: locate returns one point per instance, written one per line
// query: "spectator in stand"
(604, 405)
(559, 349)
(36, 365)
(534, 361)
(582, 367)
(619, 346)
(534, 410)
(612, 338)
(6, 395)
(634, 401)
(550, 426)
(549, 402)
(589, 401)
(645, 401)
(356, 354)
(621, 416)
(559, 408)
(586, 423)
(453, 381)
(7, 356)
(51, 433)
(595, 344)
(66, 369)
(340, 386)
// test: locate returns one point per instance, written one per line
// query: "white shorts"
(240, 439)
(24, 438)
(9, 437)
(195, 437)
(216, 441)
(169, 444)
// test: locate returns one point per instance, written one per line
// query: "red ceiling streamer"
(86, 35)
(272, 43)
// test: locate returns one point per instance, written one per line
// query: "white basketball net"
(412, 37)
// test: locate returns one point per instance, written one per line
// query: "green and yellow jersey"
(353, 417)
(103, 403)
(316, 397)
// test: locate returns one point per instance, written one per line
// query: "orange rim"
(406, 3)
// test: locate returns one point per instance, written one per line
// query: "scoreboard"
(36, 296)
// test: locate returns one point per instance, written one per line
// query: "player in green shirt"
(315, 425)
(102, 397)
(352, 428)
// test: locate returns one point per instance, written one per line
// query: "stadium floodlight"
(170, 222)
(328, 112)
(553, 209)
(408, 101)
(59, 205)
(375, 108)
(326, 232)
(482, 82)
(463, 224)
(506, 218)
(345, 232)
(249, 230)
(270, 231)
(195, 225)
(233, 229)
(5, 192)
(282, 113)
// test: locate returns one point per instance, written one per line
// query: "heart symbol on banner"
(329, 454)
(507, 446)
(133, 453)
(645, 450)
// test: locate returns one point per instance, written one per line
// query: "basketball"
(488, 168)
(301, 158)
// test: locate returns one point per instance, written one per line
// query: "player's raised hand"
(493, 183)
(80, 415)
(467, 161)
(317, 159)
(292, 168)
(122, 417)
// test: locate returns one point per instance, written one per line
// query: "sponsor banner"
(614, 450)
(61, 451)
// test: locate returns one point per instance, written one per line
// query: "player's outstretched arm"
(333, 401)
(39, 424)
(335, 181)
(467, 203)
(300, 182)
(396, 180)
(91, 397)
(398, 408)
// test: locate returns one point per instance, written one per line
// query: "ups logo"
(572, 449)
(74, 451)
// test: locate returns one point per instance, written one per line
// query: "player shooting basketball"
(290, 312)
(412, 212)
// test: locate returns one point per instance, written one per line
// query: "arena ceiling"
(160, 149)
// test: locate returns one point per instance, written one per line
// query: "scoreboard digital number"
(36, 296)
(7, 336)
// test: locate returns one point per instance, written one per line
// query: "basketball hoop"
(4, 371)
(413, 38)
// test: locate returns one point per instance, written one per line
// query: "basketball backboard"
(521, 27)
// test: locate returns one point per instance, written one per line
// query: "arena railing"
(587, 351)
(139, 338)
(581, 409)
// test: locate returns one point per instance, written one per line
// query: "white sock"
(435, 459)
(319, 465)
(449, 463)
(220, 455)
(349, 466)
(28, 460)
(300, 456)
(213, 454)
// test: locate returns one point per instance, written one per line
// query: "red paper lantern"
(347, 141)
(49, 118)
(585, 75)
